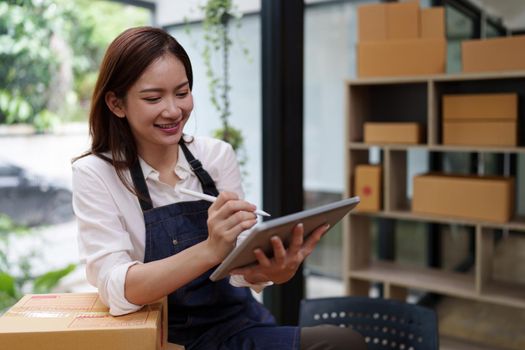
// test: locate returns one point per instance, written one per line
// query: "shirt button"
(175, 242)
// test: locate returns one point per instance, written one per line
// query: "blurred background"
(50, 51)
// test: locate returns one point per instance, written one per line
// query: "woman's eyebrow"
(154, 89)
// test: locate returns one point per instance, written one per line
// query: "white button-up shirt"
(111, 231)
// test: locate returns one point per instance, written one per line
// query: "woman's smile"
(170, 128)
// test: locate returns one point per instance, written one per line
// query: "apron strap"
(137, 176)
(208, 185)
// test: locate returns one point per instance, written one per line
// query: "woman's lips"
(169, 128)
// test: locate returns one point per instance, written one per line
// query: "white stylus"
(212, 199)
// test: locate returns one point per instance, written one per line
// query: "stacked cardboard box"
(480, 119)
(398, 39)
(470, 197)
(80, 321)
(395, 132)
(495, 54)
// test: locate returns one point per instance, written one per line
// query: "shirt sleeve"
(104, 243)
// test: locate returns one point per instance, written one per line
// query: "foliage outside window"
(49, 53)
(17, 269)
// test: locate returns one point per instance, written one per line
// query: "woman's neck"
(163, 159)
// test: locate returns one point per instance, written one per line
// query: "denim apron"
(205, 314)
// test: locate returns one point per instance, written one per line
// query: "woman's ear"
(115, 104)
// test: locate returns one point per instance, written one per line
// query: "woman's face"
(158, 105)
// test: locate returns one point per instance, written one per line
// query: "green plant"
(16, 273)
(50, 50)
(218, 15)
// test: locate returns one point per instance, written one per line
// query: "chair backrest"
(385, 324)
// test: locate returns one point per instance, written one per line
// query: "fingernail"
(327, 226)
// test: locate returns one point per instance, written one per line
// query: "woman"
(141, 238)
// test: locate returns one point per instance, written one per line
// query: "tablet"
(260, 235)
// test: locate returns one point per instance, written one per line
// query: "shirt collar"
(182, 168)
(147, 170)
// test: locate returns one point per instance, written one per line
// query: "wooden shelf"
(444, 282)
(410, 216)
(510, 294)
(436, 148)
(419, 99)
(438, 78)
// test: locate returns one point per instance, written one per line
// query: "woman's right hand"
(228, 216)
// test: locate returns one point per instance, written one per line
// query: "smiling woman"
(157, 109)
(143, 239)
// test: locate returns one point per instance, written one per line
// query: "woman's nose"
(172, 109)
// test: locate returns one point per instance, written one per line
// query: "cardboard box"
(432, 23)
(367, 185)
(495, 54)
(371, 20)
(402, 20)
(480, 119)
(397, 132)
(80, 321)
(500, 106)
(480, 133)
(401, 57)
(469, 197)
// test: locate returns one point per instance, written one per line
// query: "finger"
(232, 206)
(222, 198)
(239, 220)
(297, 239)
(279, 252)
(314, 238)
(262, 259)
(232, 232)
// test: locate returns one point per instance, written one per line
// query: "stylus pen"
(212, 199)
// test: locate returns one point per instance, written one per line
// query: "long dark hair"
(126, 58)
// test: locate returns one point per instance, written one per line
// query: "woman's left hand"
(285, 262)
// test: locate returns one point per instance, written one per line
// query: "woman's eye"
(151, 99)
(182, 94)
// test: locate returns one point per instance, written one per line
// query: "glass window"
(459, 26)
(493, 30)
(245, 93)
(329, 59)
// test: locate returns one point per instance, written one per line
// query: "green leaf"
(46, 282)
(7, 284)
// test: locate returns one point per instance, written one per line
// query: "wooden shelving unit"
(418, 99)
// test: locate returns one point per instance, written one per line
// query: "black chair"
(384, 323)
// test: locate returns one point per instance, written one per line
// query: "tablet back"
(260, 235)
